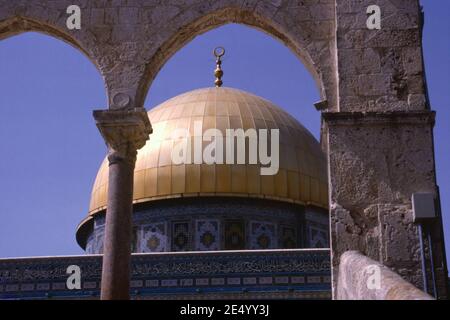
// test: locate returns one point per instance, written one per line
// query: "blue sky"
(51, 149)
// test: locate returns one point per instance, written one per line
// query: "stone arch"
(313, 52)
(16, 25)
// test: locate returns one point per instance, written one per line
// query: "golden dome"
(301, 178)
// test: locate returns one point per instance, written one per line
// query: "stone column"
(124, 131)
(379, 140)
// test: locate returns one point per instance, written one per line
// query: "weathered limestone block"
(386, 60)
(356, 281)
(377, 161)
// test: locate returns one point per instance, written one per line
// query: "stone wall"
(390, 157)
(380, 143)
(380, 70)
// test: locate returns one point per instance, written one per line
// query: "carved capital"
(124, 131)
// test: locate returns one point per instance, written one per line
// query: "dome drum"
(216, 223)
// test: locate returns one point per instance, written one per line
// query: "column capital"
(124, 131)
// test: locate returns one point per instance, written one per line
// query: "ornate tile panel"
(234, 235)
(97, 245)
(181, 236)
(207, 236)
(288, 237)
(317, 237)
(283, 274)
(262, 235)
(153, 238)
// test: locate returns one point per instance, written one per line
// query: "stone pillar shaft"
(125, 131)
(116, 258)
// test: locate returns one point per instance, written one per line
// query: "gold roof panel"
(302, 177)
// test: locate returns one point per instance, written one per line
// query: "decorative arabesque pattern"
(207, 237)
(288, 237)
(202, 223)
(262, 235)
(234, 234)
(180, 236)
(153, 238)
(317, 237)
(306, 272)
(98, 243)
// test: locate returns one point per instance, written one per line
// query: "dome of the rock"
(193, 191)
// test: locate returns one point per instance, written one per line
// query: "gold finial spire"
(218, 53)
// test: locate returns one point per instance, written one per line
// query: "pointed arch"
(17, 25)
(304, 47)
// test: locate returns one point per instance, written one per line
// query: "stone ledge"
(337, 119)
(357, 272)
